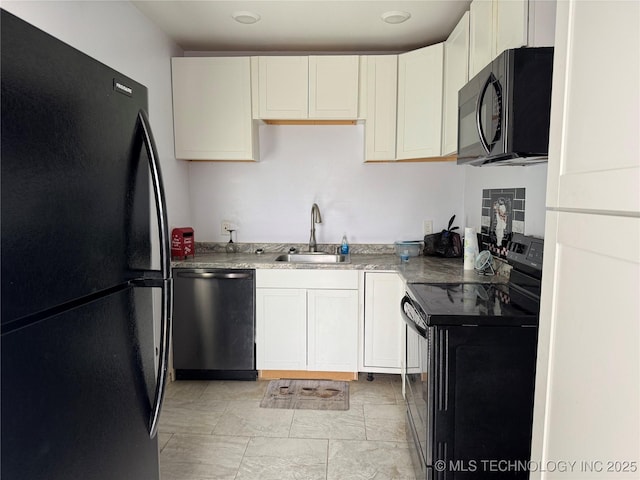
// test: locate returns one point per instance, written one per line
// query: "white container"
(408, 249)
(470, 248)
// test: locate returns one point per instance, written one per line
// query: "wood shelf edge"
(310, 122)
(306, 375)
(448, 158)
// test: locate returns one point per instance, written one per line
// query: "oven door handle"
(406, 300)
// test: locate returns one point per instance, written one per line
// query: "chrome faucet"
(315, 218)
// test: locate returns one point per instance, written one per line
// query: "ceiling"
(304, 25)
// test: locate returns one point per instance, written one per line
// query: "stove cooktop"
(475, 304)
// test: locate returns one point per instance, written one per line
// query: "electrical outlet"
(225, 226)
(427, 227)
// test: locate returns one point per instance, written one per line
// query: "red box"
(183, 242)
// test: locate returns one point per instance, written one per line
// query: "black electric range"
(469, 371)
(475, 304)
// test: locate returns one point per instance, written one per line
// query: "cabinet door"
(332, 340)
(415, 351)
(212, 109)
(281, 333)
(283, 87)
(481, 37)
(589, 328)
(333, 86)
(590, 311)
(456, 74)
(420, 102)
(600, 175)
(382, 101)
(383, 323)
(511, 18)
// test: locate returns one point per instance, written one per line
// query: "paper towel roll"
(470, 248)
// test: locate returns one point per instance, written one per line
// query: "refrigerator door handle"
(161, 379)
(158, 191)
(165, 260)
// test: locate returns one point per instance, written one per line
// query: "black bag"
(447, 243)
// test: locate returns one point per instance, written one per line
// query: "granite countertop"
(417, 270)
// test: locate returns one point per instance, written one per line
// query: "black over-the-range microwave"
(504, 111)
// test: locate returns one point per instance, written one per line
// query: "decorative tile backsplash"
(502, 214)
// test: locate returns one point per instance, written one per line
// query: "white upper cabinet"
(498, 25)
(212, 109)
(283, 87)
(456, 74)
(511, 19)
(420, 102)
(408, 102)
(594, 150)
(481, 46)
(381, 106)
(315, 87)
(333, 86)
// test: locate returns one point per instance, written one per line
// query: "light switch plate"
(427, 227)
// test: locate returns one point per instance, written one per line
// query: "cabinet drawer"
(303, 278)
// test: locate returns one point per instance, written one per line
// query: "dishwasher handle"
(215, 275)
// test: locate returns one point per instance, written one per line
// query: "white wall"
(118, 35)
(271, 200)
(533, 178)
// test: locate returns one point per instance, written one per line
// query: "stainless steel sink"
(312, 257)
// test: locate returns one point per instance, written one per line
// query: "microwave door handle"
(498, 90)
(481, 135)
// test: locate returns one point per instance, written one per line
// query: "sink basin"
(312, 257)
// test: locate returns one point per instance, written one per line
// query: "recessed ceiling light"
(246, 17)
(395, 16)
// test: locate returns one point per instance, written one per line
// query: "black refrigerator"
(82, 368)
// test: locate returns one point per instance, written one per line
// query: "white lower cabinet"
(332, 330)
(411, 352)
(307, 320)
(383, 325)
(281, 329)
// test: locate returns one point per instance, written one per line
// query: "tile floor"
(217, 430)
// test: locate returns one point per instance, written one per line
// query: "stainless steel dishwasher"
(214, 324)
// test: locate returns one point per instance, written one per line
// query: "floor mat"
(307, 395)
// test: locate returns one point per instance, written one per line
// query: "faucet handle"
(293, 250)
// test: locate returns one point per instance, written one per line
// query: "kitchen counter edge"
(417, 270)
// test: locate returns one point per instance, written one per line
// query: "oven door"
(417, 387)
